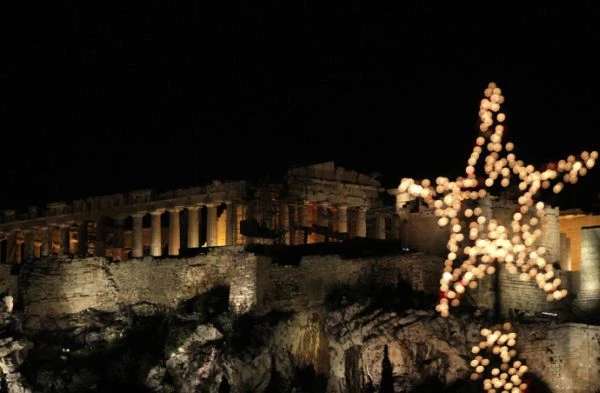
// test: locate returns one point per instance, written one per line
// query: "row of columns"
(65, 242)
(24, 244)
(193, 233)
(321, 218)
(72, 239)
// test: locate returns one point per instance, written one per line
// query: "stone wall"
(516, 296)
(550, 239)
(293, 288)
(589, 294)
(51, 287)
(590, 255)
(54, 287)
(564, 355)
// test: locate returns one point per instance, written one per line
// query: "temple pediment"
(329, 171)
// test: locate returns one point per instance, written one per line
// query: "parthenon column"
(284, 221)
(303, 222)
(322, 214)
(211, 224)
(11, 246)
(73, 239)
(395, 229)
(28, 241)
(229, 230)
(138, 242)
(342, 218)
(174, 231)
(46, 247)
(302, 213)
(119, 237)
(38, 239)
(18, 247)
(380, 227)
(83, 238)
(193, 235)
(46, 241)
(361, 222)
(322, 218)
(64, 239)
(240, 214)
(156, 247)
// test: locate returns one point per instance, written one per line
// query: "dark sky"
(105, 97)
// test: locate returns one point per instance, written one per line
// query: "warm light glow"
(491, 241)
(488, 242)
(494, 361)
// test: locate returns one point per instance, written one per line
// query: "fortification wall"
(516, 296)
(564, 355)
(293, 288)
(54, 287)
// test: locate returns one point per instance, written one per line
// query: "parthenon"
(313, 204)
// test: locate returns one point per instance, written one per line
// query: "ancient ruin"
(151, 252)
(314, 204)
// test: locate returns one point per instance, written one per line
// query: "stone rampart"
(53, 287)
(293, 288)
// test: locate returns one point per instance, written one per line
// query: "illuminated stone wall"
(293, 288)
(588, 296)
(590, 259)
(565, 356)
(550, 239)
(517, 297)
(53, 287)
(422, 232)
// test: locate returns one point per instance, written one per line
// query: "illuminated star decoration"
(494, 361)
(477, 239)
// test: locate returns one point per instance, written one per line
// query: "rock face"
(13, 352)
(319, 351)
(420, 345)
(347, 347)
(328, 324)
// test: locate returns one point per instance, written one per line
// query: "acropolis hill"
(154, 251)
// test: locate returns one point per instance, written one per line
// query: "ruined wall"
(564, 355)
(54, 287)
(292, 288)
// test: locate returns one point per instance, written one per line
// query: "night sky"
(104, 97)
